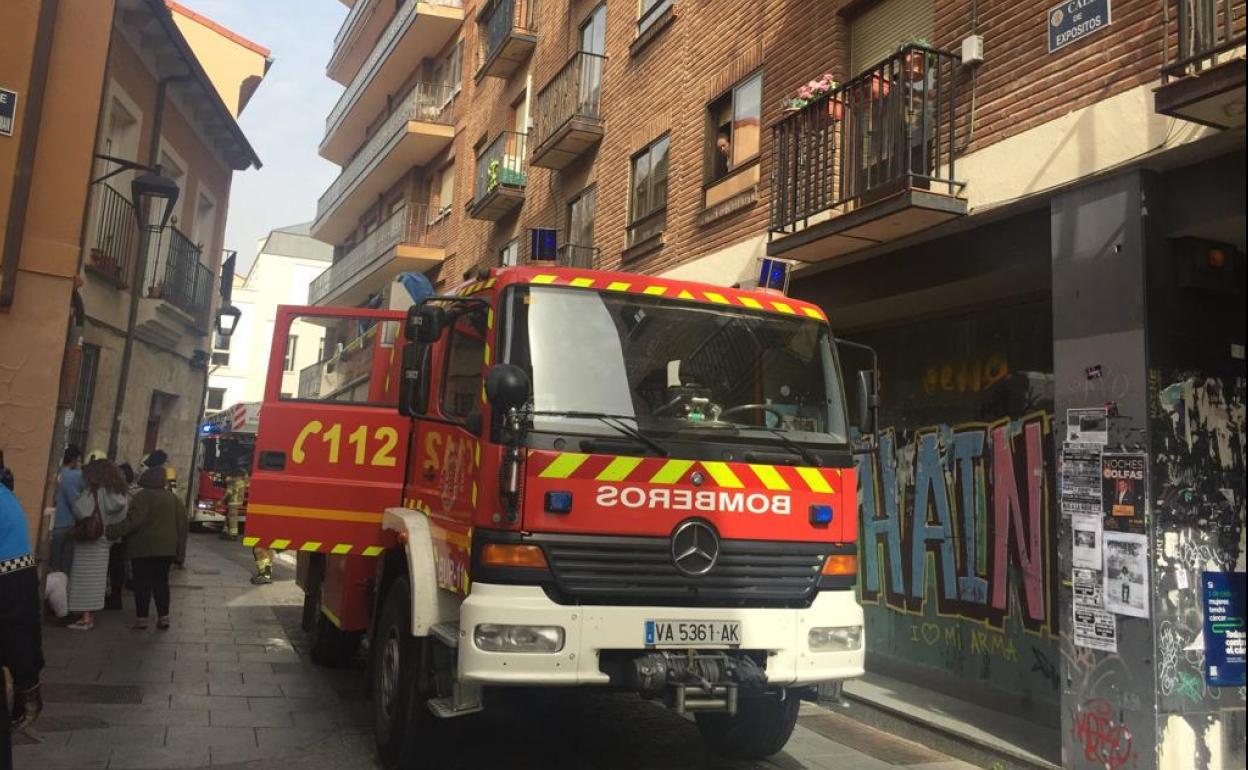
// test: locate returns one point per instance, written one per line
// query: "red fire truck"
(562, 477)
(227, 440)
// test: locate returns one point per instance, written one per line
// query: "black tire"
(760, 728)
(330, 646)
(408, 735)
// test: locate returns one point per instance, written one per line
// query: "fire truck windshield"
(670, 366)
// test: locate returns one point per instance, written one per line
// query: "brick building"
(1053, 222)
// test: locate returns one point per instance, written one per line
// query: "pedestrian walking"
(107, 498)
(69, 486)
(21, 640)
(154, 534)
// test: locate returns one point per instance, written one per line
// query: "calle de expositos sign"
(1074, 20)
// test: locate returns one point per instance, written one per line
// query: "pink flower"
(805, 92)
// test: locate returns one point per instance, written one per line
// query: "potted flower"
(915, 63)
(813, 91)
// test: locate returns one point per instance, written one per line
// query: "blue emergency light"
(558, 502)
(773, 274)
(820, 515)
(543, 243)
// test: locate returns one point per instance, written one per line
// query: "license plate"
(686, 633)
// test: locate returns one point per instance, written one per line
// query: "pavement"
(230, 685)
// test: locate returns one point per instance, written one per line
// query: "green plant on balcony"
(813, 91)
(491, 175)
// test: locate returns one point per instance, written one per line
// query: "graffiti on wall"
(971, 501)
(1102, 735)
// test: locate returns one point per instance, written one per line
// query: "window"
(875, 34)
(466, 351)
(446, 189)
(650, 11)
(454, 77)
(509, 255)
(84, 398)
(220, 350)
(648, 196)
(733, 127)
(356, 363)
(581, 218)
(216, 399)
(288, 360)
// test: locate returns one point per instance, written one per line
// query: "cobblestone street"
(230, 686)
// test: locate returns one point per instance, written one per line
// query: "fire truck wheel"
(760, 728)
(407, 733)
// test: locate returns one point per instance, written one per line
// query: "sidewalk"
(224, 685)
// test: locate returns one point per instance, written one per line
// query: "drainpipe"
(140, 270)
(24, 175)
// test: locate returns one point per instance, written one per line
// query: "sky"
(285, 119)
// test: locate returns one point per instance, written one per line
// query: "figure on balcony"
(723, 151)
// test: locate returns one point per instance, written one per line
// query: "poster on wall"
(1124, 489)
(1126, 574)
(1224, 628)
(1096, 629)
(1085, 534)
(1087, 426)
(1081, 478)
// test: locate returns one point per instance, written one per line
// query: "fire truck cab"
(227, 440)
(559, 478)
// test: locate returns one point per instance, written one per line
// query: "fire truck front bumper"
(516, 635)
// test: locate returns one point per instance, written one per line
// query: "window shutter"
(875, 35)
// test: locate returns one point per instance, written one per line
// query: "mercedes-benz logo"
(695, 547)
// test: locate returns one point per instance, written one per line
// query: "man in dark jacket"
(154, 534)
(21, 639)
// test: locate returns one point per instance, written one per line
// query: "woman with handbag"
(154, 532)
(103, 502)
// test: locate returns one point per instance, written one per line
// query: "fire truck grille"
(639, 570)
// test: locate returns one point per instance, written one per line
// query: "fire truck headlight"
(496, 637)
(835, 638)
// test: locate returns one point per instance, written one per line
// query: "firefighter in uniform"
(235, 497)
(264, 565)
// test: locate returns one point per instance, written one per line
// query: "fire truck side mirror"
(868, 402)
(425, 323)
(507, 386)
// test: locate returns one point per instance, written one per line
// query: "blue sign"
(8, 111)
(1074, 20)
(1224, 628)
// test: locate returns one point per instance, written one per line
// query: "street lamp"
(227, 320)
(155, 192)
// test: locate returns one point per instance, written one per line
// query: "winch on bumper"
(516, 635)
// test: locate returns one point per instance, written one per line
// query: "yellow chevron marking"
(489, 318)
(618, 286)
(718, 299)
(332, 617)
(279, 545)
(476, 454)
(751, 302)
(619, 468)
(671, 472)
(311, 545)
(783, 307)
(543, 279)
(684, 294)
(770, 477)
(815, 480)
(564, 465)
(655, 290)
(251, 541)
(474, 494)
(341, 548)
(490, 283)
(373, 550)
(723, 475)
(487, 352)
(581, 282)
(810, 311)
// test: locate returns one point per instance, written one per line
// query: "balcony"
(404, 242)
(567, 121)
(418, 31)
(507, 36)
(364, 24)
(869, 162)
(113, 237)
(501, 176)
(1203, 79)
(421, 126)
(178, 289)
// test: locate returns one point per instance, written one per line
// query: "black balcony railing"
(572, 255)
(502, 165)
(1205, 30)
(889, 129)
(178, 277)
(115, 235)
(498, 21)
(575, 92)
